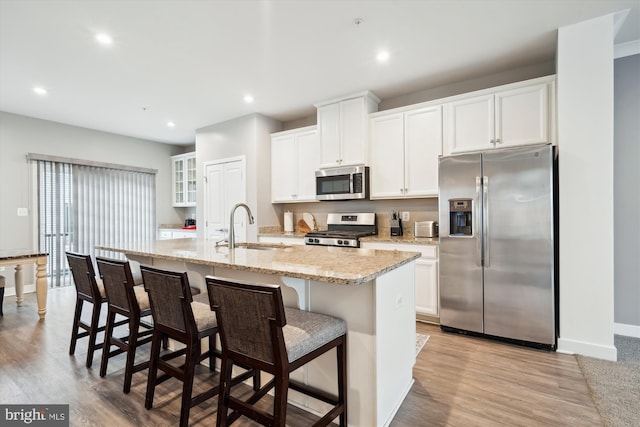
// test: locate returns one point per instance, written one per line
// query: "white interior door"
(225, 185)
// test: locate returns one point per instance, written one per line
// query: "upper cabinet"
(343, 129)
(404, 152)
(516, 114)
(295, 157)
(184, 180)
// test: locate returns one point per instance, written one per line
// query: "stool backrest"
(250, 320)
(84, 275)
(170, 299)
(118, 284)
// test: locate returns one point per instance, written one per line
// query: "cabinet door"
(522, 115)
(423, 145)
(353, 132)
(178, 181)
(329, 133)
(283, 166)
(387, 156)
(190, 182)
(469, 125)
(427, 287)
(308, 155)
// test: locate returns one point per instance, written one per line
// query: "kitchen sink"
(261, 246)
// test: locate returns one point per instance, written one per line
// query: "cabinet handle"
(493, 141)
(498, 141)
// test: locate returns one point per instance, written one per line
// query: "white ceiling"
(192, 62)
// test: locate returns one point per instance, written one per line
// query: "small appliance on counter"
(396, 224)
(425, 229)
(189, 224)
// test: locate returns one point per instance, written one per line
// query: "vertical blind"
(82, 206)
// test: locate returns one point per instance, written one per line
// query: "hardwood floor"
(459, 380)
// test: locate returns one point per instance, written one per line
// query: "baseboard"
(11, 291)
(425, 318)
(598, 351)
(626, 330)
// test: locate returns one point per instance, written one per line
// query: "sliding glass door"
(81, 206)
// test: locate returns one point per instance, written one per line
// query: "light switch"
(405, 216)
(23, 211)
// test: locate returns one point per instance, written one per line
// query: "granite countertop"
(343, 266)
(9, 254)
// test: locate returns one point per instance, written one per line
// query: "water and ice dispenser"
(460, 217)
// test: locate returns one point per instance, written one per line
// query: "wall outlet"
(23, 212)
(405, 216)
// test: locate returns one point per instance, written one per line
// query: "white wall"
(627, 195)
(585, 135)
(248, 136)
(20, 135)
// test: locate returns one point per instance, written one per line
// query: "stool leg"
(1, 300)
(134, 325)
(153, 369)
(76, 322)
(106, 347)
(341, 351)
(93, 331)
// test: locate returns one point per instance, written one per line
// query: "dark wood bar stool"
(130, 301)
(257, 331)
(177, 316)
(88, 289)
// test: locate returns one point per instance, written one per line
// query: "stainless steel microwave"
(343, 183)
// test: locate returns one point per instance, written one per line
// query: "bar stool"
(1, 294)
(177, 316)
(88, 289)
(258, 331)
(130, 301)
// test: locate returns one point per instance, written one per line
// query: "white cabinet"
(515, 114)
(427, 288)
(167, 233)
(284, 240)
(295, 157)
(343, 129)
(404, 153)
(184, 180)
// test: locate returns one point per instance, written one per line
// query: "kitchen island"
(372, 290)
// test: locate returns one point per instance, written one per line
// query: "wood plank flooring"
(459, 380)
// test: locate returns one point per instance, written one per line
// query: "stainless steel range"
(344, 229)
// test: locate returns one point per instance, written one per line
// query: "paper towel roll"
(288, 222)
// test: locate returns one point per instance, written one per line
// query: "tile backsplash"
(419, 210)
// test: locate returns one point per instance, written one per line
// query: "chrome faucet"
(232, 234)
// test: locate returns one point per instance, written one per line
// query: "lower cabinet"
(167, 233)
(427, 288)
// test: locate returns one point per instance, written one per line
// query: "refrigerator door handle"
(476, 223)
(485, 220)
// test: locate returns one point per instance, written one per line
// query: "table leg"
(19, 285)
(41, 286)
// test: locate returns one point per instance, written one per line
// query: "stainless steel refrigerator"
(497, 246)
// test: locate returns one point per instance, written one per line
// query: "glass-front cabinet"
(184, 180)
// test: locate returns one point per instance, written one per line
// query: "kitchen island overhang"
(372, 290)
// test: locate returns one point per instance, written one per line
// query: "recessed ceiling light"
(104, 39)
(40, 90)
(383, 56)
(171, 124)
(248, 99)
